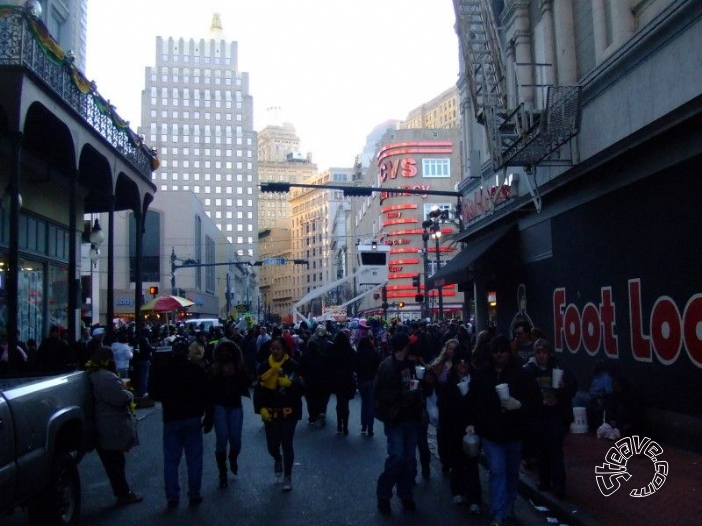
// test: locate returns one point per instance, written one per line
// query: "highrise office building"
(279, 160)
(198, 114)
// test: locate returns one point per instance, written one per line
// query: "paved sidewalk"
(678, 501)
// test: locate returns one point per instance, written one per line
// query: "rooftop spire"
(216, 27)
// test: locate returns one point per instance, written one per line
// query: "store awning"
(455, 271)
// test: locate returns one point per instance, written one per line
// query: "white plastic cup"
(502, 391)
(471, 445)
(414, 385)
(419, 370)
(557, 376)
(463, 387)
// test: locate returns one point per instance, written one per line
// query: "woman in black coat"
(314, 371)
(342, 364)
(367, 362)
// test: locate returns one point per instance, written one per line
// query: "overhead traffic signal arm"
(353, 191)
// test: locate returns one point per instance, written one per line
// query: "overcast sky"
(336, 68)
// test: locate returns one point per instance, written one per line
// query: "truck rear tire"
(59, 503)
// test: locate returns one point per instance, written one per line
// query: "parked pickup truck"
(45, 429)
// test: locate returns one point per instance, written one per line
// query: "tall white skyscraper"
(198, 114)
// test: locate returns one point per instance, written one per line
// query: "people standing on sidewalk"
(278, 399)
(123, 354)
(196, 350)
(230, 381)
(551, 418)
(54, 353)
(184, 389)
(502, 423)
(367, 362)
(342, 366)
(522, 344)
(115, 424)
(399, 404)
(142, 362)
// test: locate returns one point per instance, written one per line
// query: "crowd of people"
(507, 393)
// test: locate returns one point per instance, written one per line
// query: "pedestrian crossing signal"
(401, 304)
(153, 290)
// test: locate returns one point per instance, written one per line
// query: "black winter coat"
(283, 403)
(492, 421)
(394, 401)
(183, 388)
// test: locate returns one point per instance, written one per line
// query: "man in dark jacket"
(501, 421)
(185, 393)
(399, 404)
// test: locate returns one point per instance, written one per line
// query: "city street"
(333, 483)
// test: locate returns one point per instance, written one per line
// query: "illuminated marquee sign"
(483, 200)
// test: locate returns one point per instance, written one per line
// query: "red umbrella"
(167, 304)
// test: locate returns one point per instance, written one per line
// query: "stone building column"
(519, 35)
(566, 63)
(599, 29)
(549, 73)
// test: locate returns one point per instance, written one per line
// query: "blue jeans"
(182, 436)
(227, 425)
(503, 460)
(401, 462)
(142, 376)
(279, 435)
(365, 388)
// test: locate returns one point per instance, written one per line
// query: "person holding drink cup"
(551, 417)
(501, 420)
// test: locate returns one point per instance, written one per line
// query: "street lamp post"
(437, 236)
(432, 226)
(425, 253)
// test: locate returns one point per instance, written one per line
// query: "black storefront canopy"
(456, 270)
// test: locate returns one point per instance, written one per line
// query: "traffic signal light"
(153, 290)
(358, 192)
(419, 298)
(416, 282)
(401, 304)
(384, 292)
(275, 187)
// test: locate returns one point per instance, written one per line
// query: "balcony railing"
(27, 43)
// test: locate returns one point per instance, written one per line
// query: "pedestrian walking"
(501, 424)
(115, 424)
(399, 404)
(342, 364)
(458, 414)
(278, 399)
(367, 362)
(184, 389)
(230, 381)
(315, 373)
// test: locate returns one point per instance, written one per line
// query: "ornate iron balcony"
(26, 42)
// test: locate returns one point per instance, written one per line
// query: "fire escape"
(518, 136)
